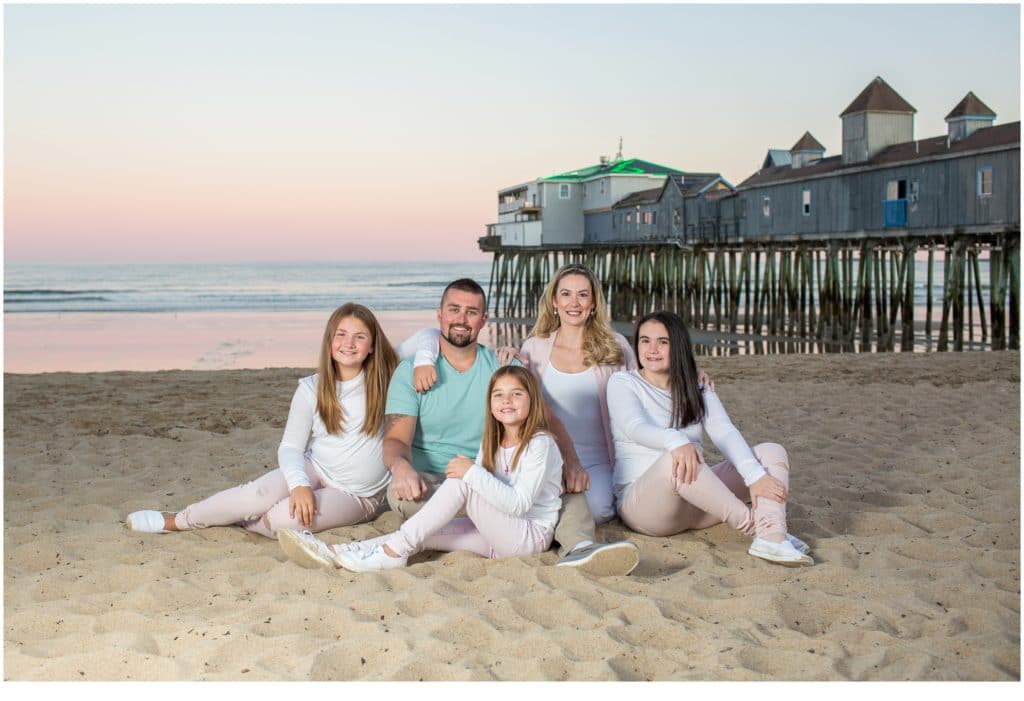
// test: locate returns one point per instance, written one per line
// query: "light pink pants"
(261, 506)
(657, 504)
(488, 531)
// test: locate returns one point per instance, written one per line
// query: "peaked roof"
(776, 157)
(1005, 135)
(970, 106)
(878, 96)
(807, 143)
(630, 166)
(642, 197)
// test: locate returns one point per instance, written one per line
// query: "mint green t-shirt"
(450, 417)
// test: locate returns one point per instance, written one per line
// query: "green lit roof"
(630, 166)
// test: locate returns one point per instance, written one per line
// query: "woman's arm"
(516, 498)
(424, 347)
(729, 440)
(631, 421)
(291, 453)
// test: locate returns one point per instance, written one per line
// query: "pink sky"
(286, 132)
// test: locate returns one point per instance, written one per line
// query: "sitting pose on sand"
(510, 493)
(426, 429)
(338, 413)
(663, 486)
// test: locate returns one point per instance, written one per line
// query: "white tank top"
(573, 398)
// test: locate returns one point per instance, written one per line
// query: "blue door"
(895, 204)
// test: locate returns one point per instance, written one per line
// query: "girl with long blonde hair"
(330, 471)
(510, 493)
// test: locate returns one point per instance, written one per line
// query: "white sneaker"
(800, 545)
(780, 553)
(370, 560)
(147, 521)
(306, 550)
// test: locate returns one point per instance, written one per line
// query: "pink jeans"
(261, 506)
(488, 531)
(657, 504)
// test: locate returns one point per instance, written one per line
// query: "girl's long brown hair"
(494, 430)
(599, 344)
(377, 370)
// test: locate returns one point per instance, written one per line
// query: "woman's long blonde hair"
(599, 344)
(377, 370)
(494, 430)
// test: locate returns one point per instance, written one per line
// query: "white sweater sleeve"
(630, 420)
(423, 346)
(728, 439)
(516, 498)
(291, 454)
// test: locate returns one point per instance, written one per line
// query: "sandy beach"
(906, 483)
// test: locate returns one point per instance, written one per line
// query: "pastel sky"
(323, 132)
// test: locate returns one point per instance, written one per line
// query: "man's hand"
(685, 461)
(575, 478)
(302, 505)
(423, 378)
(458, 467)
(768, 488)
(406, 483)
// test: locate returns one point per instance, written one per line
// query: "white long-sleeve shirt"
(533, 490)
(641, 416)
(350, 460)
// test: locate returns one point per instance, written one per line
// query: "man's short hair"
(465, 284)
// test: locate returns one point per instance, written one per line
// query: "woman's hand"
(574, 477)
(302, 505)
(705, 381)
(506, 354)
(769, 488)
(458, 467)
(423, 378)
(685, 461)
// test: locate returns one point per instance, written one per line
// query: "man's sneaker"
(305, 549)
(798, 544)
(780, 553)
(370, 560)
(603, 559)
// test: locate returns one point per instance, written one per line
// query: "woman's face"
(351, 344)
(652, 347)
(574, 299)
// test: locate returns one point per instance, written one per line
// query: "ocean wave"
(49, 293)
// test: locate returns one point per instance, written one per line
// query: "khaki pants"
(575, 523)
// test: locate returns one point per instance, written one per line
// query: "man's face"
(461, 317)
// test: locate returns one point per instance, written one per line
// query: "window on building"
(985, 182)
(629, 217)
(638, 217)
(603, 184)
(896, 190)
(654, 218)
(677, 216)
(564, 191)
(743, 207)
(807, 202)
(766, 206)
(584, 190)
(915, 191)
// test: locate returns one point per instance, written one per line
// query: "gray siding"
(563, 218)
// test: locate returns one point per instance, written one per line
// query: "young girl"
(510, 494)
(338, 414)
(662, 485)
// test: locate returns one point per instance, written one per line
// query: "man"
(423, 431)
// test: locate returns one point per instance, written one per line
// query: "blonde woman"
(330, 471)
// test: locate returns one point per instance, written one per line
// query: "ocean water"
(220, 287)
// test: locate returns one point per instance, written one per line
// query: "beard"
(460, 337)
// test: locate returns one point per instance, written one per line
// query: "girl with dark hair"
(510, 493)
(330, 473)
(662, 485)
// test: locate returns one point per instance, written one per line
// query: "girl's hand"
(769, 488)
(302, 505)
(705, 381)
(575, 478)
(506, 354)
(458, 467)
(423, 378)
(685, 461)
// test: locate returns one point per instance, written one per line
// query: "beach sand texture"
(906, 483)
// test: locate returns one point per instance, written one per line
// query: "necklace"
(505, 459)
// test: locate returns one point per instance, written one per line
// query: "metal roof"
(970, 106)
(630, 166)
(807, 143)
(878, 96)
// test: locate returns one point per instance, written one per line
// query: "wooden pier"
(845, 293)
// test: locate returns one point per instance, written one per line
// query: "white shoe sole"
(803, 560)
(302, 553)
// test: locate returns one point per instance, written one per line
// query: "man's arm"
(396, 452)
